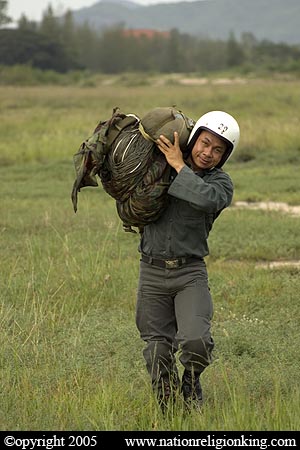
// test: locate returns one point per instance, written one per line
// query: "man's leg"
(155, 319)
(194, 310)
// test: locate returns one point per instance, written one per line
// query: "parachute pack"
(122, 152)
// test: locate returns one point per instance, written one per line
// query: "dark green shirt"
(194, 202)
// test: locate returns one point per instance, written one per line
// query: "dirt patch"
(278, 264)
(270, 206)
(226, 81)
(193, 81)
(217, 81)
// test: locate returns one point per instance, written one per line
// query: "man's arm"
(210, 195)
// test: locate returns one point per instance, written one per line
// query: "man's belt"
(170, 263)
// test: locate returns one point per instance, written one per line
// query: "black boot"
(166, 389)
(191, 389)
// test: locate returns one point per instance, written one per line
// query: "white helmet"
(221, 124)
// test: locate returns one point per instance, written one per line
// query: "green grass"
(71, 357)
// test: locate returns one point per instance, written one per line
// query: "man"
(174, 305)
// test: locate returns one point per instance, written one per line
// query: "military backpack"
(122, 153)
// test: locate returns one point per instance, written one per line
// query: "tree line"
(57, 43)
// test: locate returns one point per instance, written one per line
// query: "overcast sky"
(33, 9)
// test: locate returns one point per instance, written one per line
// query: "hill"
(274, 20)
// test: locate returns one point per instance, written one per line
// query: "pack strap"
(145, 134)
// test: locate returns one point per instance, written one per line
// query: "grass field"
(71, 357)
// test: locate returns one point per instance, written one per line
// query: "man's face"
(207, 151)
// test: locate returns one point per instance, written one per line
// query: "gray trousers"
(174, 310)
